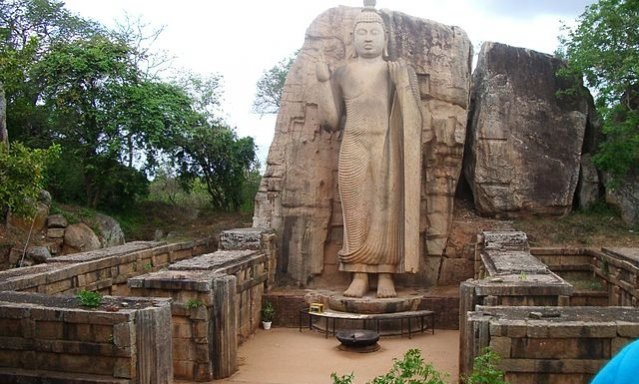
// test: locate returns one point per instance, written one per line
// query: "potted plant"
(268, 312)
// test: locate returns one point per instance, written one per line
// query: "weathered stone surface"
(625, 196)
(109, 231)
(57, 221)
(241, 238)
(524, 143)
(505, 241)
(80, 238)
(38, 254)
(214, 261)
(298, 194)
(630, 255)
(589, 186)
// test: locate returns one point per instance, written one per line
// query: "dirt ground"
(287, 356)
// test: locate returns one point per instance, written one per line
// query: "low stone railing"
(520, 307)
(105, 270)
(53, 339)
(616, 268)
(216, 301)
(549, 345)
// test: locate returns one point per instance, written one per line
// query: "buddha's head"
(369, 32)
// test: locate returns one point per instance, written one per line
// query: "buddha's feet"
(359, 285)
(385, 286)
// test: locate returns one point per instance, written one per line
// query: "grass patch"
(595, 227)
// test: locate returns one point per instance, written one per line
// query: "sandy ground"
(285, 355)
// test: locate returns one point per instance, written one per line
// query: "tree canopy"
(604, 50)
(97, 94)
(270, 86)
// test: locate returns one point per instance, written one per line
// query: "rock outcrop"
(109, 231)
(524, 142)
(79, 238)
(624, 195)
(298, 194)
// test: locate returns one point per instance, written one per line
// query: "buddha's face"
(369, 39)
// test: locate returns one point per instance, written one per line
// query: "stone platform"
(369, 304)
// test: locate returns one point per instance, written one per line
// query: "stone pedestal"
(405, 301)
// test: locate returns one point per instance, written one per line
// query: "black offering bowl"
(358, 340)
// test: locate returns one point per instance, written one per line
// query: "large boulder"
(80, 238)
(589, 187)
(109, 231)
(624, 195)
(524, 142)
(298, 195)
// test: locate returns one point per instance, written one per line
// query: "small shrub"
(410, 370)
(344, 379)
(268, 311)
(485, 370)
(194, 304)
(89, 299)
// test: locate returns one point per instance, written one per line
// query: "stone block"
(55, 233)
(628, 329)
(618, 343)
(183, 369)
(181, 328)
(537, 329)
(50, 329)
(124, 368)
(124, 334)
(501, 346)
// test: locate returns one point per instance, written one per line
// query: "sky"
(240, 39)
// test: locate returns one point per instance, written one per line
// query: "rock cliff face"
(524, 143)
(298, 195)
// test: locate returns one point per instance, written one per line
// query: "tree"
(104, 112)
(221, 159)
(270, 86)
(4, 135)
(604, 50)
(28, 29)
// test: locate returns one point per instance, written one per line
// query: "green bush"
(485, 369)
(89, 299)
(410, 370)
(22, 172)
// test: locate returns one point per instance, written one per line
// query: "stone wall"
(616, 268)
(558, 346)
(51, 339)
(216, 302)
(105, 270)
(521, 306)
